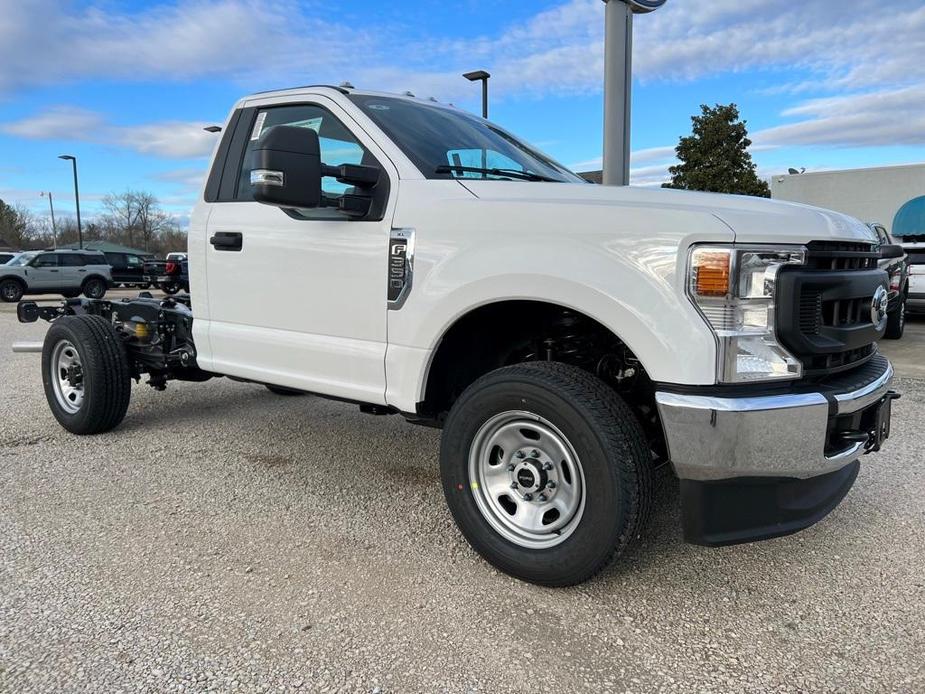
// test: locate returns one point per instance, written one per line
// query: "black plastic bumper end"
(746, 509)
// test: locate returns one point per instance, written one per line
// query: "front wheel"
(11, 291)
(94, 288)
(85, 373)
(546, 472)
(896, 322)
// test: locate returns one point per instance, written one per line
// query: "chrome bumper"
(715, 438)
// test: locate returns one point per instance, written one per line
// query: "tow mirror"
(891, 250)
(286, 167)
(287, 171)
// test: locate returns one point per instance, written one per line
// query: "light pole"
(618, 85)
(80, 234)
(483, 77)
(54, 231)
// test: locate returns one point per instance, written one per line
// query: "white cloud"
(170, 139)
(870, 119)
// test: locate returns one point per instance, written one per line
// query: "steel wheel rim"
(513, 459)
(67, 377)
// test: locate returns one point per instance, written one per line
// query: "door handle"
(227, 240)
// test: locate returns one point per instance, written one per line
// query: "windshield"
(22, 259)
(448, 143)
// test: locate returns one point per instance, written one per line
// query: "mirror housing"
(891, 250)
(286, 168)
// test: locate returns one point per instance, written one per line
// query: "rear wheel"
(11, 291)
(546, 472)
(170, 287)
(85, 373)
(94, 288)
(896, 321)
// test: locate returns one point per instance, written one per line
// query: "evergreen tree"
(715, 158)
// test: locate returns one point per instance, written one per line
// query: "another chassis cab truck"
(569, 338)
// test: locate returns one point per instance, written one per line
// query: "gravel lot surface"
(224, 538)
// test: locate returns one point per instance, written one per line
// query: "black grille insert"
(824, 307)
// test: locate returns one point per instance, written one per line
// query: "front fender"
(631, 292)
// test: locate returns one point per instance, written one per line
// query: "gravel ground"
(224, 538)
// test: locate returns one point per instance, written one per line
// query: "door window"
(70, 260)
(133, 261)
(46, 260)
(338, 146)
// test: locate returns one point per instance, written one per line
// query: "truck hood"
(752, 220)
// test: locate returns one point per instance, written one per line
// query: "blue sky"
(128, 85)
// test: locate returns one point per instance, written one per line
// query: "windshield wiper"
(509, 173)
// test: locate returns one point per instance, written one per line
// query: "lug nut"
(547, 466)
(520, 454)
(550, 485)
(542, 497)
(528, 497)
(513, 485)
(510, 468)
(534, 453)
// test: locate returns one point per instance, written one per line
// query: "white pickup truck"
(570, 339)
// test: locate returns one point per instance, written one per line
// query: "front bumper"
(762, 465)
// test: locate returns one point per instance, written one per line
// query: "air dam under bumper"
(759, 466)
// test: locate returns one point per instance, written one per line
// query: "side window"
(46, 260)
(133, 261)
(70, 260)
(338, 145)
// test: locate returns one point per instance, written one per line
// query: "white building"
(888, 194)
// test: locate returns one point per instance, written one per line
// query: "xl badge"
(878, 307)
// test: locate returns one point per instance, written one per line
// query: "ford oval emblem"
(643, 6)
(878, 307)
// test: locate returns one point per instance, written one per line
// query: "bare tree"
(133, 217)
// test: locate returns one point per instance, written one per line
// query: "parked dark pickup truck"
(171, 274)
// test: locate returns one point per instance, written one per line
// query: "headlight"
(734, 288)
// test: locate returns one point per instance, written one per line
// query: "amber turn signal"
(711, 273)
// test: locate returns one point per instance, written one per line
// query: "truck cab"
(572, 341)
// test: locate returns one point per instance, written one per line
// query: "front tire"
(11, 291)
(896, 322)
(546, 472)
(85, 373)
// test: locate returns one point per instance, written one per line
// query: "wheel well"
(93, 277)
(15, 278)
(513, 332)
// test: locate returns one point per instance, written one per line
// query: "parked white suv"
(67, 272)
(570, 339)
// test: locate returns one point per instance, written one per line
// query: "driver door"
(301, 301)
(43, 272)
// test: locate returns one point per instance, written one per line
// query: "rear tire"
(280, 390)
(896, 322)
(11, 291)
(94, 288)
(170, 288)
(588, 443)
(85, 372)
